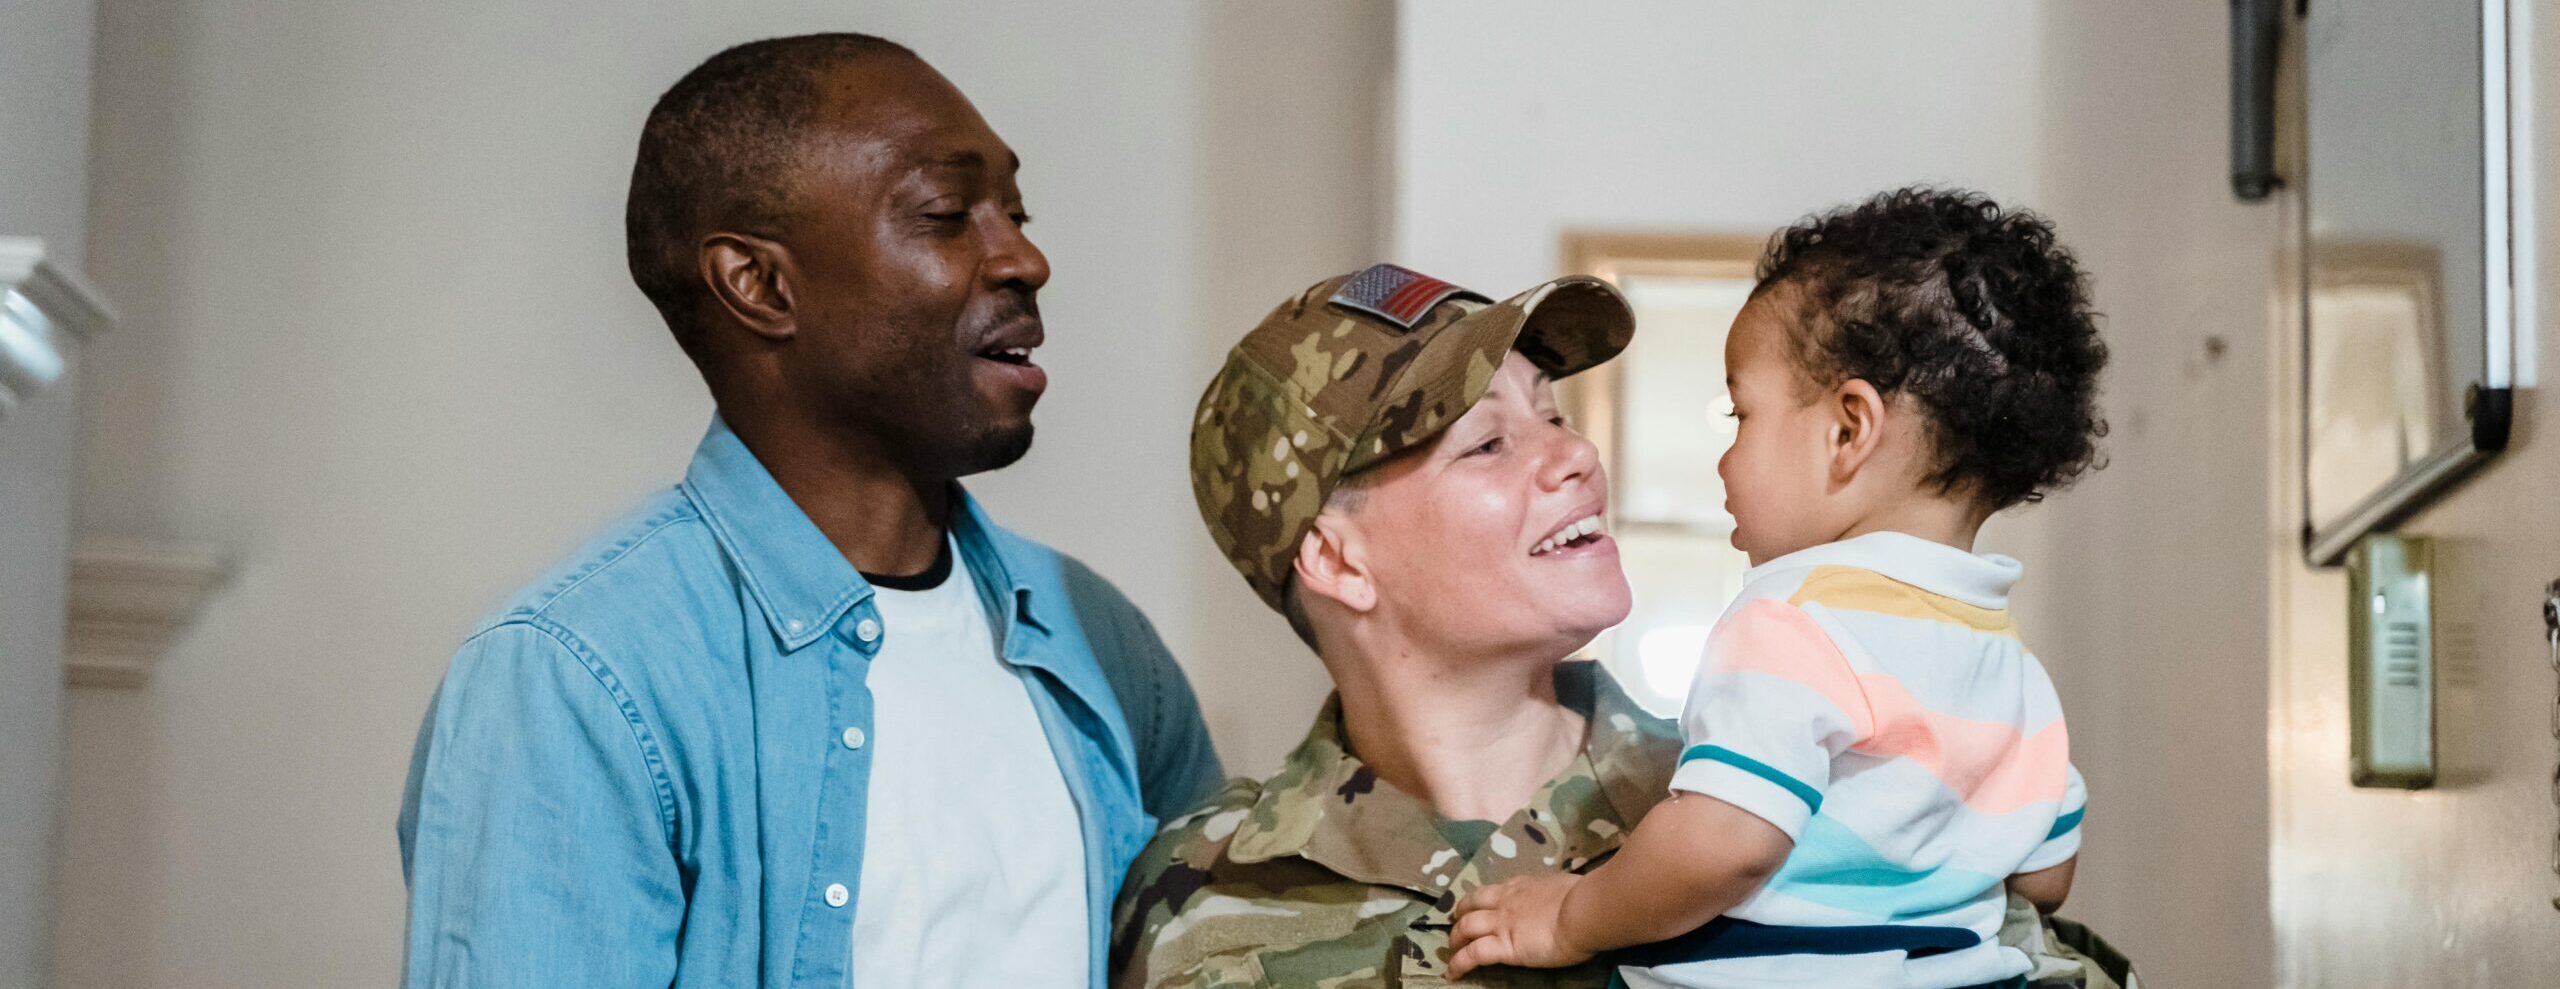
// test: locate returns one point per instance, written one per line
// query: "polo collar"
(799, 580)
(1979, 579)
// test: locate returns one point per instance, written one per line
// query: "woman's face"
(1489, 540)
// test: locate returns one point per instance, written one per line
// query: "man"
(1383, 460)
(808, 719)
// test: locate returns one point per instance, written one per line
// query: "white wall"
(1517, 120)
(2146, 591)
(381, 344)
(44, 146)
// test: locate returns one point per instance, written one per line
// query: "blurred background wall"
(380, 345)
(44, 48)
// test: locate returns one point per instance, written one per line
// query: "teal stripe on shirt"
(1716, 753)
(2063, 825)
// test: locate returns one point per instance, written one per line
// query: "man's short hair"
(720, 152)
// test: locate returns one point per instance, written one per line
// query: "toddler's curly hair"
(1973, 311)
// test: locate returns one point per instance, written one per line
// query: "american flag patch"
(1396, 294)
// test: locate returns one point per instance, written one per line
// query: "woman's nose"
(1574, 458)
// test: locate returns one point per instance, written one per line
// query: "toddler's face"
(1778, 480)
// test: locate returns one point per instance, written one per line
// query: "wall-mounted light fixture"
(41, 303)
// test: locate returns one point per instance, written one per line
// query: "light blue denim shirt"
(651, 769)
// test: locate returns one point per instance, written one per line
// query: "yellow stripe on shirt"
(1854, 589)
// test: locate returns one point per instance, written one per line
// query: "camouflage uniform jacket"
(1325, 876)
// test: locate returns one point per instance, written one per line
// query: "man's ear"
(752, 279)
(1857, 428)
(1333, 564)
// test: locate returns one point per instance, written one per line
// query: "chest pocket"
(1231, 941)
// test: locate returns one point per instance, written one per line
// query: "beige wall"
(2156, 605)
(382, 346)
(2146, 588)
(44, 146)
(2450, 886)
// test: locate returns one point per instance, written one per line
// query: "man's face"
(918, 309)
(1478, 541)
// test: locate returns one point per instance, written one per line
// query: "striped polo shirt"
(1871, 698)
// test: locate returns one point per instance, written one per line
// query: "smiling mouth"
(1576, 534)
(1017, 356)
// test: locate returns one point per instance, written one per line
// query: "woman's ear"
(751, 278)
(1333, 564)
(1857, 428)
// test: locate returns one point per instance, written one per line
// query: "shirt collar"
(1979, 579)
(1330, 808)
(798, 578)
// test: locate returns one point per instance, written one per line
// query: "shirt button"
(853, 738)
(867, 630)
(837, 895)
(793, 626)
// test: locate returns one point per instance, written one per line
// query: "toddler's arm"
(1692, 858)
(2046, 888)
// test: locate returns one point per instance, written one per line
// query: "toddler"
(1873, 758)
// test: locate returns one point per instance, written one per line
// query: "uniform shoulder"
(1184, 858)
(1198, 838)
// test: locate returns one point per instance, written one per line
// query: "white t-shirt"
(972, 858)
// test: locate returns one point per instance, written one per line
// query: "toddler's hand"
(1515, 923)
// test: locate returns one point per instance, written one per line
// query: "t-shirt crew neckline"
(928, 579)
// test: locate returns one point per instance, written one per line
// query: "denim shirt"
(651, 769)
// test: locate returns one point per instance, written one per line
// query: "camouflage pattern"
(1326, 876)
(1319, 390)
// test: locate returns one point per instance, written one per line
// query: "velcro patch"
(1396, 294)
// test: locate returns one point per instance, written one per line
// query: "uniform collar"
(798, 578)
(1330, 808)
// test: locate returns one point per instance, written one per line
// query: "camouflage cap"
(1354, 370)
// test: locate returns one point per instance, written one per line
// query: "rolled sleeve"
(535, 831)
(2062, 843)
(1774, 702)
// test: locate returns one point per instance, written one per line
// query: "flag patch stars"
(1396, 294)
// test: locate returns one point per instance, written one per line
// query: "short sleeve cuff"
(2060, 847)
(1750, 784)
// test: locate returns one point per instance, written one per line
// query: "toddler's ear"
(1857, 427)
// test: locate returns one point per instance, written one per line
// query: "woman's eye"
(1021, 218)
(1558, 420)
(1493, 445)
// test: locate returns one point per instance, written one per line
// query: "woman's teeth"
(1568, 535)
